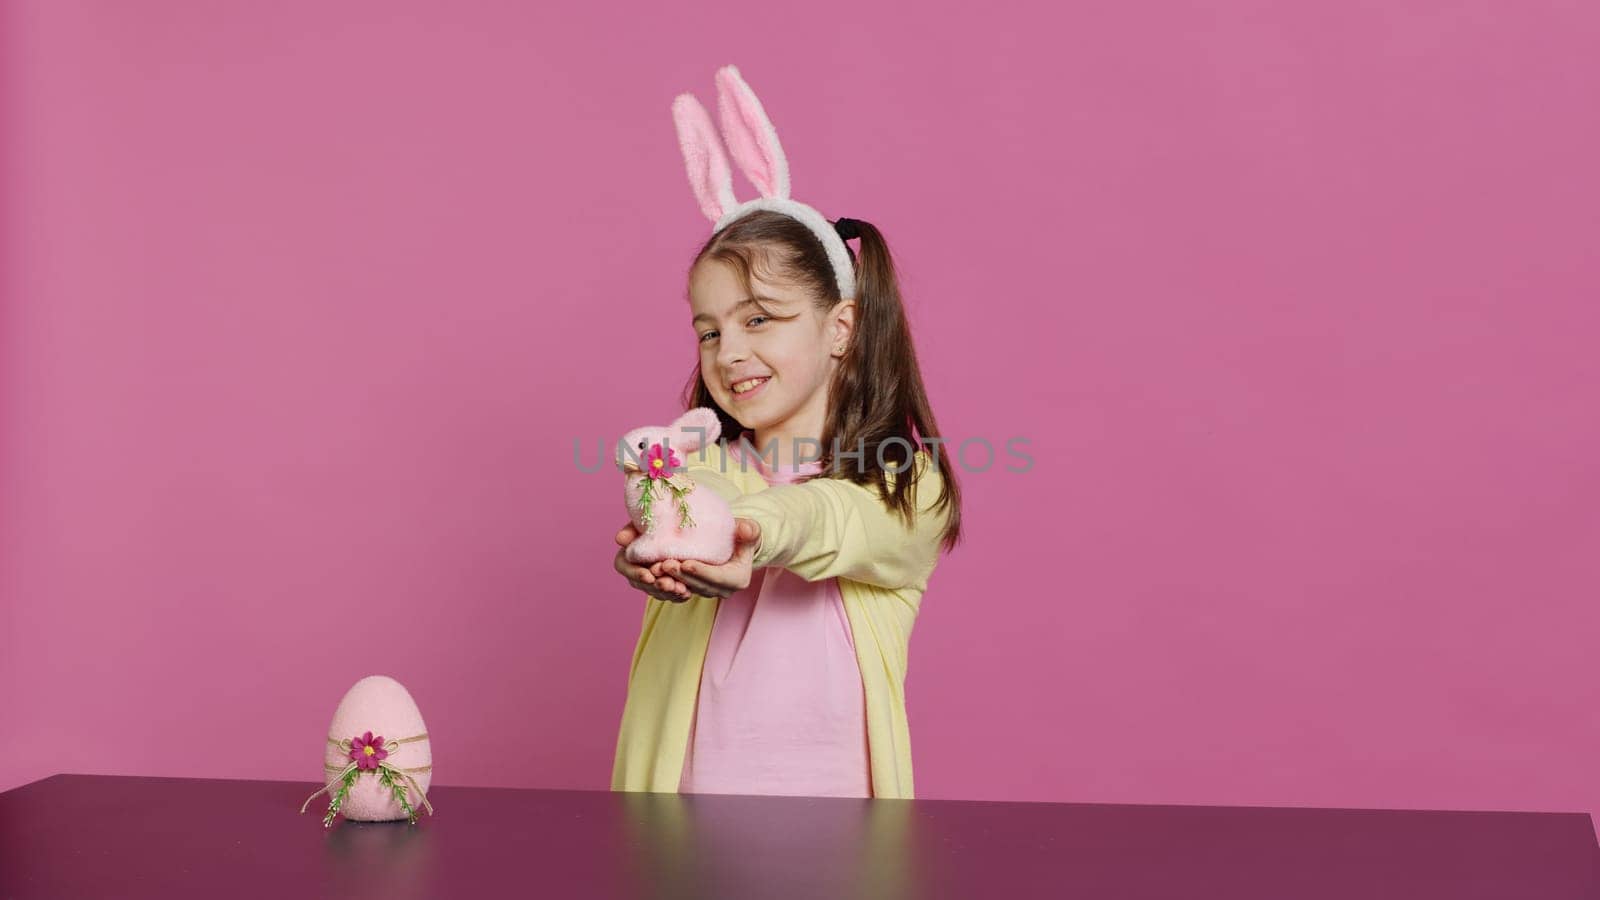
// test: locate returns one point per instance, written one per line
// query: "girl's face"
(769, 370)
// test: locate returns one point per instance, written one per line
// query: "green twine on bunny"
(677, 484)
(370, 755)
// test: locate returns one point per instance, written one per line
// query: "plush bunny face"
(689, 432)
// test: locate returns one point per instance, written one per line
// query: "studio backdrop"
(314, 320)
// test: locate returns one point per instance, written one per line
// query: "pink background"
(1296, 304)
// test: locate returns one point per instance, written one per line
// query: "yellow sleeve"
(830, 527)
(710, 467)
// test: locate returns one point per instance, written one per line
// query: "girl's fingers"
(706, 590)
(698, 573)
(653, 580)
(677, 587)
(702, 587)
(670, 572)
(640, 579)
(627, 569)
(657, 593)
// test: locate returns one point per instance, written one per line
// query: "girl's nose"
(731, 353)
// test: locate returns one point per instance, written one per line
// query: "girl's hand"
(714, 581)
(641, 578)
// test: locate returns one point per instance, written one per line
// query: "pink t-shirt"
(781, 708)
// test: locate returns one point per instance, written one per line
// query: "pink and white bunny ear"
(753, 144)
(709, 173)
(752, 141)
(699, 427)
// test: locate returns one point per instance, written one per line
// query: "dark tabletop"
(112, 836)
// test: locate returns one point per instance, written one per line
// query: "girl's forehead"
(711, 281)
(716, 290)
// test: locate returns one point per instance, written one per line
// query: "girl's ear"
(709, 174)
(696, 428)
(842, 327)
(752, 141)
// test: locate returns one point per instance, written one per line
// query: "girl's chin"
(749, 423)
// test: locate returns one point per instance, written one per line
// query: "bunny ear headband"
(753, 143)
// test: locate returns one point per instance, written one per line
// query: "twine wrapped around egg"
(365, 750)
(400, 768)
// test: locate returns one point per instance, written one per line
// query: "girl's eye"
(754, 320)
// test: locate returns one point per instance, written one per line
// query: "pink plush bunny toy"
(675, 521)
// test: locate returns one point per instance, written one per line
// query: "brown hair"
(877, 393)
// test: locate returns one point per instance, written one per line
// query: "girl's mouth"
(761, 384)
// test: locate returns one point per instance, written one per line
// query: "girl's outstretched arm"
(829, 527)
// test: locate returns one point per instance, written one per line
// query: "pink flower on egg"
(660, 464)
(367, 751)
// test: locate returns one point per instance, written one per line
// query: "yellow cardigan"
(817, 529)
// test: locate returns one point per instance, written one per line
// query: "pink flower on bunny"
(674, 520)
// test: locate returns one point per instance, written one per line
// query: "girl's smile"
(749, 393)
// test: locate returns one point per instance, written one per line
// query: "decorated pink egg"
(377, 757)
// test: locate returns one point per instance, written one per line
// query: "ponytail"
(878, 400)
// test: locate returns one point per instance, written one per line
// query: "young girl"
(783, 670)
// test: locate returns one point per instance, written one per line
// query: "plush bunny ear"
(709, 173)
(696, 428)
(752, 141)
